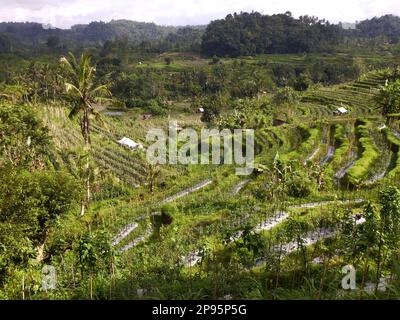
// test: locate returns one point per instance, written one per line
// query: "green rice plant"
(369, 155)
(342, 146)
(312, 137)
(341, 143)
(395, 146)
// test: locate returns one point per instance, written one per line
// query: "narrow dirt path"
(311, 156)
(240, 186)
(329, 155)
(187, 191)
(193, 257)
(341, 173)
(132, 226)
(137, 241)
(124, 233)
(309, 239)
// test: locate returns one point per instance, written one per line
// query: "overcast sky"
(65, 13)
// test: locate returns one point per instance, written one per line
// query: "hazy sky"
(181, 12)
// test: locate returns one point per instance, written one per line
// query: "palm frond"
(73, 62)
(74, 111)
(97, 115)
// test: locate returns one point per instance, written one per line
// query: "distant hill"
(31, 33)
(254, 33)
(135, 32)
(28, 33)
(387, 25)
(236, 35)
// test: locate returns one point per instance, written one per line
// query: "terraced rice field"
(357, 97)
(352, 153)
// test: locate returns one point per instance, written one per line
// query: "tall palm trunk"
(86, 134)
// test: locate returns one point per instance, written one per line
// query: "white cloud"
(181, 12)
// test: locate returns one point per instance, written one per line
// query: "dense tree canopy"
(387, 25)
(389, 99)
(254, 33)
(33, 196)
(236, 35)
(5, 44)
(24, 141)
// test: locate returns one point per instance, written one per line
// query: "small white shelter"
(382, 126)
(341, 111)
(130, 143)
(201, 110)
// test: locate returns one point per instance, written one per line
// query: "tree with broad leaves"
(388, 100)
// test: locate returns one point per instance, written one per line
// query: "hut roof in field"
(130, 143)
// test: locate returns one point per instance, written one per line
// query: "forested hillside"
(386, 26)
(238, 34)
(97, 33)
(253, 33)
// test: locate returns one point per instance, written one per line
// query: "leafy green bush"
(24, 139)
(298, 187)
(157, 108)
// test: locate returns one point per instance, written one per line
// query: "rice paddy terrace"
(357, 97)
(107, 153)
(213, 216)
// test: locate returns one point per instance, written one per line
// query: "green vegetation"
(395, 145)
(389, 100)
(252, 33)
(341, 143)
(324, 192)
(369, 154)
(83, 93)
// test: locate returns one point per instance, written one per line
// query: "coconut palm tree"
(83, 91)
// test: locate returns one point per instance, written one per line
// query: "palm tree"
(83, 90)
